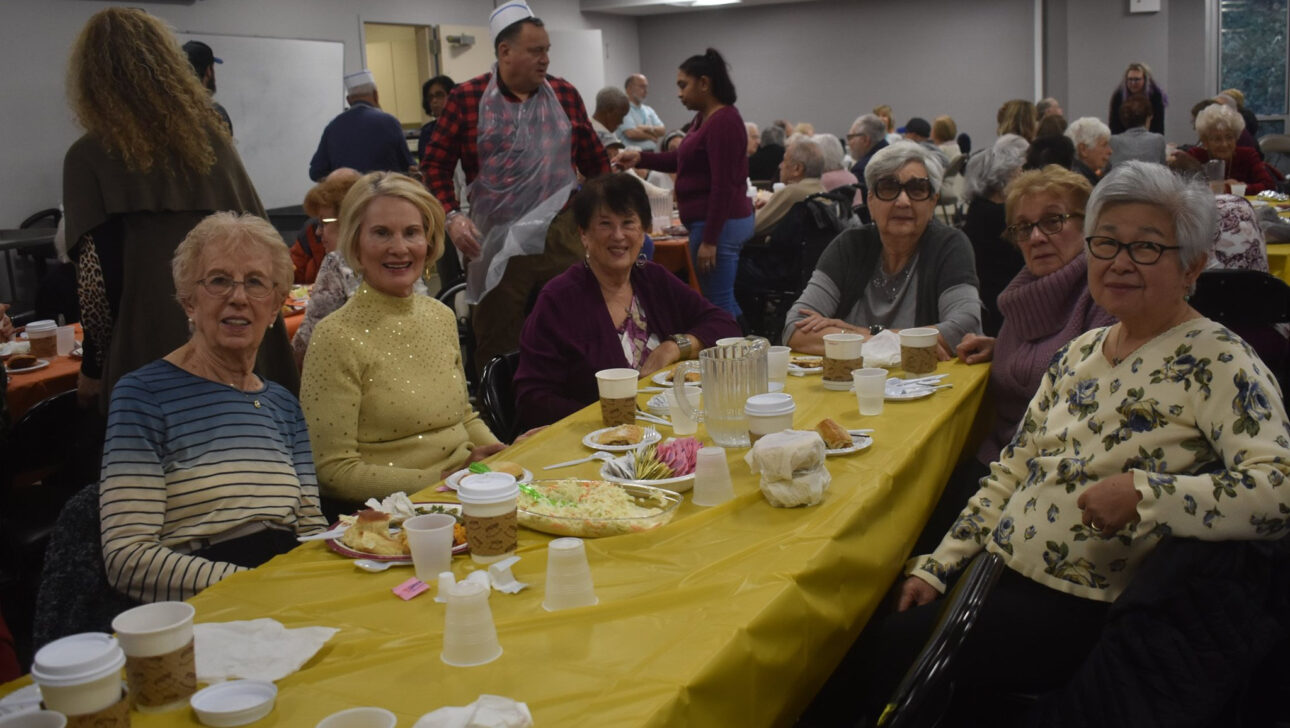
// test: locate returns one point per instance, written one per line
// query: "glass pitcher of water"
(730, 375)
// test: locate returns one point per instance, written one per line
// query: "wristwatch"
(876, 329)
(683, 343)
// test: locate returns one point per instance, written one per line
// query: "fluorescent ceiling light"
(704, 3)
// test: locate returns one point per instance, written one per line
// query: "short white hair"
(871, 125)
(1087, 130)
(1218, 117)
(803, 150)
(888, 161)
(990, 170)
(1188, 202)
(831, 150)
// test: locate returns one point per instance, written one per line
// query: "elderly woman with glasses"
(207, 468)
(1092, 140)
(383, 387)
(904, 269)
(1165, 423)
(1218, 127)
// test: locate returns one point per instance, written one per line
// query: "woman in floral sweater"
(1164, 423)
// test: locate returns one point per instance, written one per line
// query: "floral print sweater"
(1195, 417)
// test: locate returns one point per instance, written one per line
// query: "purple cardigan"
(1039, 316)
(711, 171)
(569, 336)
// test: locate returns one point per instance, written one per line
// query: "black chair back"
(912, 701)
(1250, 303)
(497, 396)
(465, 333)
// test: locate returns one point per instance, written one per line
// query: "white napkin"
(488, 711)
(259, 649)
(792, 469)
(882, 350)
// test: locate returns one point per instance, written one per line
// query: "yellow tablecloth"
(1279, 260)
(732, 615)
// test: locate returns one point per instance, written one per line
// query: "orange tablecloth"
(674, 254)
(293, 323)
(26, 389)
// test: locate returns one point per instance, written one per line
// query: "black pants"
(1029, 638)
(252, 550)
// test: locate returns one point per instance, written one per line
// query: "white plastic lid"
(40, 327)
(775, 403)
(77, 659)
(236, 702)
(485, 488)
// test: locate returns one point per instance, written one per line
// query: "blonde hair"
(330, 192)
(238, 233)
(1017, 117)
(944, 129)
(134, 91)
(884, 112)
(388, 184)
(1054, 180)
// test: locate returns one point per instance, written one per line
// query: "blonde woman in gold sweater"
(383, 389)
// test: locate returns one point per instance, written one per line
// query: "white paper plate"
(233, 703)
(452, 480)
(651, 437)
(21, 700)
(858, 443)
(40, 364)
(664, 379)
(908, 393)
(681, 484)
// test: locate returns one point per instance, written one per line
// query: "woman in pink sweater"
(711, 169)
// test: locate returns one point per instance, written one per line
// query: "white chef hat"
(359, 81)
(507, 15)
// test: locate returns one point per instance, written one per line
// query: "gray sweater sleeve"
(960, 313)
(821, 295)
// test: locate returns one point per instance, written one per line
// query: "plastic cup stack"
(568, 576)
(469, 636)
(712, 485)
(430, 541)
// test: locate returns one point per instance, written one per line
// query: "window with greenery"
(1253, 56)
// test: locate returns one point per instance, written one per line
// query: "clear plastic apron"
(525, 178)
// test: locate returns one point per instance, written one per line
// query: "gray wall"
(830, 61)
(36, 35)
(1099, 38)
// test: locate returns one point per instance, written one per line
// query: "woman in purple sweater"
(1046, 305)
(615, 309)
(711, 175)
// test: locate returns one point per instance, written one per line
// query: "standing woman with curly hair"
(153, 162)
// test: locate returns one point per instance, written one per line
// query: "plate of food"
(838, 440)
(372, 533)
(521, 474)
(24, 363)
(622, 438)
(595, 508)
(664, 379)
(669, 464)
(802, 364)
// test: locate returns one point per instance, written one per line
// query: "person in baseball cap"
(203, 61)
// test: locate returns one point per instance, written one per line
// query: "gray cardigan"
(945, 260)
(1137, 143)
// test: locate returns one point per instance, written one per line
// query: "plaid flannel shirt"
(454, 137)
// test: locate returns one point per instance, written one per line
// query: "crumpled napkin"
(882, 350)
(792, 469)
(488, 711)
(258, 649)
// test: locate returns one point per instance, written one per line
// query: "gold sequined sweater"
(385, 397)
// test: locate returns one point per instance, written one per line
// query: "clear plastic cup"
(568, 576)
(430, 541)
(871, 389)
(469, 636)
(682, 422)
(1238, 189)
(160, 666)
(79, 674)
(777, 363)
(617, 396)
(65, 337)
(729, 340)
(712, 485)
(360, 718)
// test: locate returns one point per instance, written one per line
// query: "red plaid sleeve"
(453, 140)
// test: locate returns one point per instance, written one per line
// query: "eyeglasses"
(221, 285)
(328, 220)
(1048, 225)
(1142, 252)
(917, 188)
(855, 136)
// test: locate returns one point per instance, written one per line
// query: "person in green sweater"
(1165, 423)
(383, 388)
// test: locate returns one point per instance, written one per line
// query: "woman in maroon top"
(711, 175)
(1218, 127)
(615, 309)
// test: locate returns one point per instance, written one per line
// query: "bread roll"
(835, 436)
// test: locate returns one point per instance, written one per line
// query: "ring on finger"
(1094, 528)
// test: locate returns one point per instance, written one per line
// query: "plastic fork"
(589, 458)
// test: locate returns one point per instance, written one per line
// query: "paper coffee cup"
(43, 336)
(161, 670)
(79, 674)
(488, 510)
(842, 355)
(617, 396)
(918, 350)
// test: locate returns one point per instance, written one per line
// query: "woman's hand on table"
(529, 433)
(476, 455)
(974, 349)
(1109, 505)
(815, 323)
(666, 354)
(915, 593)
(707, 258)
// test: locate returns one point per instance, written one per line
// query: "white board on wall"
(280, 93)
(578, 56)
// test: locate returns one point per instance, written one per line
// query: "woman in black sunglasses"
(904, 269)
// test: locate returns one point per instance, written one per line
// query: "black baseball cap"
(200, 55)
(919, 126)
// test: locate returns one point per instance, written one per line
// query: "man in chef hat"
(522, 137)
(362, 137)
